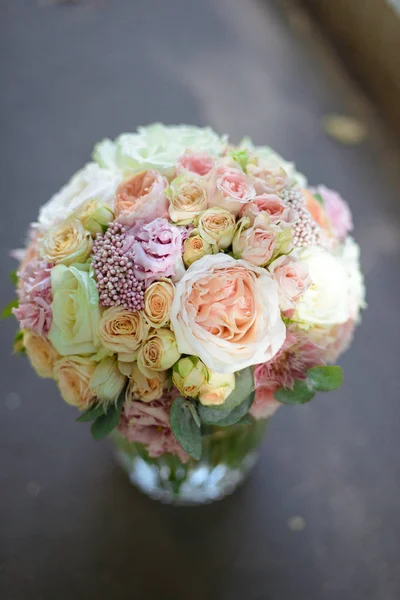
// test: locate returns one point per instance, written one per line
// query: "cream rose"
(188, 376)
(76, 311)
(67, 243)
(217, 389)
(41, 353)
(95, 216)
(123, 331)
(145, 388)
(216, 226)
(157, 302)
(226, 312)
(158, 353)
(107, 381)
(73, 375)
(194, 248)
(188, 198)
(326, 302)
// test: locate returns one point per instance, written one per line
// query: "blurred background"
(319, 80)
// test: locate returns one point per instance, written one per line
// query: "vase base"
(168, 484)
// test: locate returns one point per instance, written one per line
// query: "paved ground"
(71, 525)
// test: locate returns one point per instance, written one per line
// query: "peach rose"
(73, 375)
(41, 353)
(293, 279)
(199, 163)
(145, 388)
(157, 302)
(277, 210)
(316, 210)
(232, 189)
(123, 331)
(141, 196)
(264, 405)
(226, 312)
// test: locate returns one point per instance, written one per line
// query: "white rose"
(326, 302)
(226, 312)
(351, 261)
(156, 147)
(90, 183)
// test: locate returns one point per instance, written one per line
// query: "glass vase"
(229, 453)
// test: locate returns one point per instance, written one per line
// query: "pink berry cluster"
(116, 282)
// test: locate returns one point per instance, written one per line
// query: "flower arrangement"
(179, 282)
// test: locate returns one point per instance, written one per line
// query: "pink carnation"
(264, 405)
(35, 298)
(148, 424)
(337, 210)
(156, 250)
(292, 362)
(200, 163)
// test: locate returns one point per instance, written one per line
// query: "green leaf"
(92, 413)
(238, 413)
(18, 345)
(185, 427)
(319, 198)
(7, 311)
(325, 379)
(104, 424)
(300, 393)
(14, 276)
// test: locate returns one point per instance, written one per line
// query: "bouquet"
(179, 282)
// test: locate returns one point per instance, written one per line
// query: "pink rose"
(337, 210)
(265, 180)
(35, 298)
(293, 280)
(264, 405)
(141, 197)
(232, 189)
(277, 210)
(226, 312)
(148, 424)
(200, 163)
(156, 250)
(256, 244)
(292, 362)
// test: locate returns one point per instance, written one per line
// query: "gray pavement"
(71, 526)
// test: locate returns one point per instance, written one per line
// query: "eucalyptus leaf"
(238, 413)
(185, 427)
(325, 379)
(91, 413)
(244, 385)
(300, 393)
